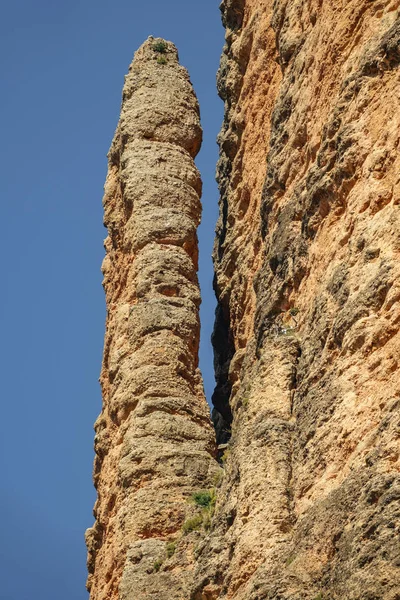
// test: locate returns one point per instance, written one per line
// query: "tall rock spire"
(154, 442)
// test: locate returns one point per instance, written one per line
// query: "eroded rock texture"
(154, 440)
(307, 261)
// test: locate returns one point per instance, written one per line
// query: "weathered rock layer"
(307, 343)
(307, 279)
(154, 441)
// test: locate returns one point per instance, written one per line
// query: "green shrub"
(170, 549)
(161, 60)
(205, 499)
(192, 524)
(160, 47)
(157, 565)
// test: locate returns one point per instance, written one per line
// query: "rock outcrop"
(307, 342)
(154, 441)
(307, 260)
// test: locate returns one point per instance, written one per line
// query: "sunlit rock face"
(307, 344)
(154, 439)
(307, 279)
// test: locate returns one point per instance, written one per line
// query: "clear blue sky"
(62, 66)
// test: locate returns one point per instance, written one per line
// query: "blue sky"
(62, 66)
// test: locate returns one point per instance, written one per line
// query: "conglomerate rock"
(154, 440)
(307, 260)
(307, 343)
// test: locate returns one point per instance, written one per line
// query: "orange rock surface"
(307, 344)
(154, 441)
(307, 332)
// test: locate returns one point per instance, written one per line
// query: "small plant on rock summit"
(161, 60)
(160, 47)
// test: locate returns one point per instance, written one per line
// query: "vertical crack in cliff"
(228, 139)
(154, 440)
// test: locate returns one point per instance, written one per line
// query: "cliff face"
(307, 279)
(307, 343)
(154, 441)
